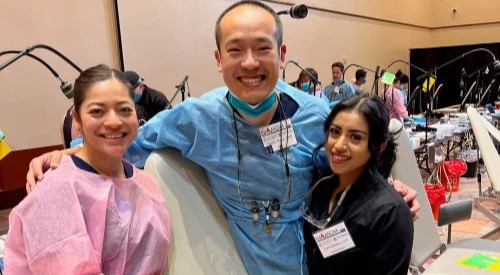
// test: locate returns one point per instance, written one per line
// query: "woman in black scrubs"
(354, 221)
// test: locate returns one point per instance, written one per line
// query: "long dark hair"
(373, 109)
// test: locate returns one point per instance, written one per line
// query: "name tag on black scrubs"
(333, 240)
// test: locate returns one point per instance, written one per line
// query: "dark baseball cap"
(133, 78)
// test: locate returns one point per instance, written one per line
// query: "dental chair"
(201, 242)
(426, 240)
(482, 130)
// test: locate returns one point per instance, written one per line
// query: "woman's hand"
(410, 196)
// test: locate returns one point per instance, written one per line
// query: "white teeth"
(250, 80)
(339, 158)
(113, 136)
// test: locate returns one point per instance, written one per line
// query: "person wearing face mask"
(338, 89)
(360, 80)
(148, 101)
(311, 86)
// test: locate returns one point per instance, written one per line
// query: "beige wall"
(346, 39)
(31, 103)
(464, 36)
(165, 40)
(406, 11)
(467, 12)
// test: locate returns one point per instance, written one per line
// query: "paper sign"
(4, 149)
(388, 78)
(431, 82)
(482, 261)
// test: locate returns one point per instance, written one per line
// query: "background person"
(338, 89)
(375, 225)
(308, 85)
(403, 85)
(394, 101)
(148, 101)
(95, 214)
(360, 81)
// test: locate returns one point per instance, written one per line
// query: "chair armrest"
(454, 212)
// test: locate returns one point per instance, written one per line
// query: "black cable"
(34, 57)
(34, 47)
(285, 156)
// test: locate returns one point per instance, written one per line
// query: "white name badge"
(276, 135)
(336, 89)
(333, 240)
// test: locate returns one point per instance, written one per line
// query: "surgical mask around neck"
(305, 86)
(252, 110)
(338, 82)
(364, 81)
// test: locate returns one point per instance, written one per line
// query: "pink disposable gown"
(78, 222)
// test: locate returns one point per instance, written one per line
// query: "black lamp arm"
(32, 48)
(34, 57)
(358, 66)
(496, 63)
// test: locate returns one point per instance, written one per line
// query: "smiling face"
(249, 57)
(347, 145)
(107, 118)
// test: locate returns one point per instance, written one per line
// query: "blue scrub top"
(204, 131)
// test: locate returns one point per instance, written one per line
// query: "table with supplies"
(437, 142)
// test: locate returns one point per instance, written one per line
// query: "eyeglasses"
(310, 217)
